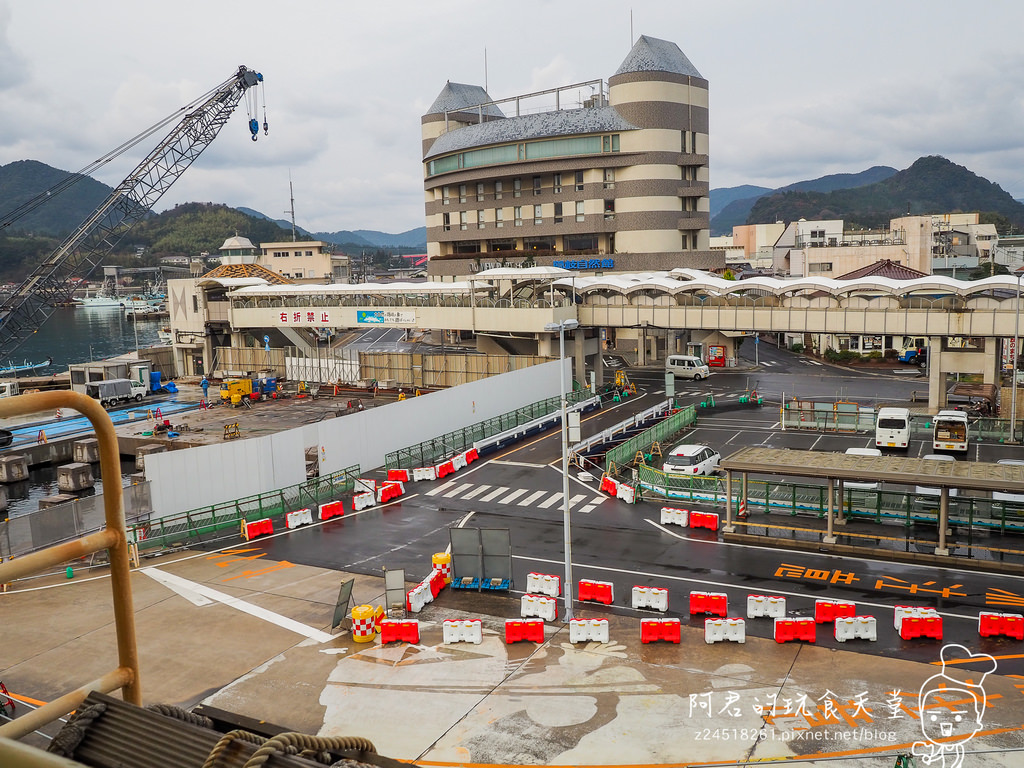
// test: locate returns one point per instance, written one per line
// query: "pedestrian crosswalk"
(521, 497)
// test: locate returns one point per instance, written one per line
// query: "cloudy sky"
(798, 89)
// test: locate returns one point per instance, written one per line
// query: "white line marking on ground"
(168, 579)
(550, 500)
(476, 492)
(516, 463)
(435, 491)
(512, 496)
(457, 490)
(495, 493)
(531, 498)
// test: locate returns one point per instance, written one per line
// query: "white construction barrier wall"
(588, 630)
(538, 605)
(655, 598)
(856, 628)
(729, 630)
(543, 584)
(671, 516)
(462, 631)
(766, 605)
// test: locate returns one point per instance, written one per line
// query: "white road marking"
(550, 501)
(495, 494)
(457, 490)
(516, 463)
(512, 496)
(179, 585)
(440, 488)
(531, 498)
(476, 491)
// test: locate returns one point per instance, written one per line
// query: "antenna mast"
(291, 197)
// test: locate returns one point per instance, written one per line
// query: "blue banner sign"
(586, 264)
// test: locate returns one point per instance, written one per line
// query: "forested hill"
(932, 184)
(22, 180)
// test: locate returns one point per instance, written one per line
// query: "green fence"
(206, 522)
(430, 452)
(663, 432)
(766, 496)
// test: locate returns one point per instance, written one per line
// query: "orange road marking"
(968, 661)
(27, 699)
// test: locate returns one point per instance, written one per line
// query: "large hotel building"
(601, 180)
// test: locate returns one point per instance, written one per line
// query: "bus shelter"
(840, 467)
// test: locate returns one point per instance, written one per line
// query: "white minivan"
(892, 430)
(687, 367)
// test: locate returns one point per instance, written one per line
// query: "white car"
(1016, 498)
(691, 459)
(857, 485)
(922, 490)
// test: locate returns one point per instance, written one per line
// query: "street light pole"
(567, 588)
(1016, 355)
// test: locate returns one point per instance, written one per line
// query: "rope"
(178, 713)
(70, 736)
(313, 747)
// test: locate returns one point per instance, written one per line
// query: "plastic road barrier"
(471, 455)
(436, 582)
(424, 473)
(588, 630)
(921, 626)
(672, 516)
(596, 591)
(650, 597)
(609, 486)
(404, 630)
(709, 602)
(856, 628)
(442, 562)
(803, 628)
(331, 509)
(388, 491)
(401, 475)
(653, 630)
(901, 612)
(538, 605)
(827, 611)
(298, 517)
(524, 629)
(257, 528)
(462, 631)
(731, 630)
(443, 469)
(417, 597)
(1006, 624)
(363, 500)
(707, 520)
(766, 605)
(543, 584)
(626, 493)
(364, 624)
(459, 461)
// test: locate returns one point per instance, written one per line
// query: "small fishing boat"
(25, 367)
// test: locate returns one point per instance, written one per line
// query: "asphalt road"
(520, 490)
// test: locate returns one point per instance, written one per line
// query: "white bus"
(892, 429)
(950, 431)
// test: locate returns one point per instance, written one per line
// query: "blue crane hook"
(254, 126)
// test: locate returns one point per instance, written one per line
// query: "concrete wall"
(184, 480)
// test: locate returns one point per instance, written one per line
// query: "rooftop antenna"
(485, 69)
(631, 28)
(291, 196)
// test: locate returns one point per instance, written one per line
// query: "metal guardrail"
(430, 452)
(199, 524)
(540, 423)
(608, 435)
(665, 431)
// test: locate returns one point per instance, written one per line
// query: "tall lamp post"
(562, 327)
(1016, 354)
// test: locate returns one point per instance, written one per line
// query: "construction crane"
(28, 307)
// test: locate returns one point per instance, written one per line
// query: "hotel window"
(610, 143)
(499, 217)
(479, 192)
(579, 210)
(518, 214)
(579, 181)
(558, 213)
(685, 242)
(447, 225)
(497, 190)
(609, 209)
(445, 191)
(609, 178)
(463, 223)
(479, 219)
(538, 218)
(536, 185)
(462, 193)
(556, 183)
(517, 187)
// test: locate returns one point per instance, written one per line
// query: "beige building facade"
(616, 183)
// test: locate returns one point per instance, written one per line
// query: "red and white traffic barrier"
(588, 630)
(1005, 624)
(730, 630)
(543, 584)
(363, 500)
(424, 473)
(538, 605)
(650, 597)
(766, 605)
(597, 591)
(331, 509)
(901, 612)
(709, 602)
(298, 517)
(803, 628)
(672, 516)
(462, 631)
(827, 611)
(856, 628)
(627, 493)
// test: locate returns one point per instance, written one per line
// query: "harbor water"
(75, 335)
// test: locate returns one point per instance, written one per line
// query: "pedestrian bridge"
(505, 301)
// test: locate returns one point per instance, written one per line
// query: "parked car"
(691, 459)
(1015, 498)
(857, 485)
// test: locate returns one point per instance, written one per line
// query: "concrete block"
(75, 477)
(147, 450)
(13, 469)
(87, 450)
(55, 501)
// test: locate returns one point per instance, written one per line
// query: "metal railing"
(430, 452)
(208, 522)
(663, 432)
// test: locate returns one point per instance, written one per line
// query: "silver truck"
(114, 391)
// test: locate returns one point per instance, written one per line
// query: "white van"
(855, 485)
(687, 367)
(892, 429)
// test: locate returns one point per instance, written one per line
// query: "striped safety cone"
(742, 513)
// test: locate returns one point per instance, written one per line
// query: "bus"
(892, 429)
(950, 431)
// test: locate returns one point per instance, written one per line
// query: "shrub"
(798, 347)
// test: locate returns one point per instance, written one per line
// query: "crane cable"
(73, 178)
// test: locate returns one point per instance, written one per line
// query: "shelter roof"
(884, 268)
(247, 271)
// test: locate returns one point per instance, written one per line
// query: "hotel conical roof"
(650, 54)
